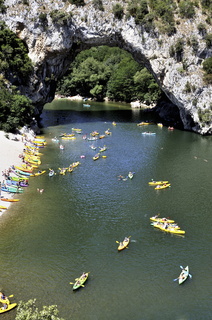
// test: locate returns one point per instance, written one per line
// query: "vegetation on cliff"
(15, 67)
(109, 72)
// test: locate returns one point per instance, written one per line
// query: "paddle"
(176, 279)
(190, 276)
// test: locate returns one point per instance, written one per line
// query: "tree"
(27, 310)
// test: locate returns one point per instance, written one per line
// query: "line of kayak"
(160, 184)
(167, 225)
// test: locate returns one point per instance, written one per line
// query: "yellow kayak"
(172, 230)
(124, 244)
(155, 183)
(3, 207)
(39, 173)
(9, 307)
(162, 186)
(156, 219)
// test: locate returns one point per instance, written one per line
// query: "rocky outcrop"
(56, 31)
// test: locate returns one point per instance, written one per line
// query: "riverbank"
(11, 146)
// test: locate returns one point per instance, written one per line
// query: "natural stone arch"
(53, 48)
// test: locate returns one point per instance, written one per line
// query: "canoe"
(22, 173)
(156, 183)
(10, 200)
(108, 132)
(86, 105)
(75, 164)
(76, 129)
(148, 133)
(96, 157)
(12, 189)
(16, 183)
(32, 158)
(3, 207)
(143, 123)
(24, 169)
(69, 138)
(80, 281)
(10, 307)
(162, 186)
(18, 178)
(124, 244)
(162, 224)
(36, 162)
(172, 230)
(39, 173)
(184, 275)
(102, 149)
(130, 175)
(62, 171)
(156, 219)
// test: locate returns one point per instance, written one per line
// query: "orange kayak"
(10, 200)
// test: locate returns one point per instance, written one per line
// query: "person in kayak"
(4, 300)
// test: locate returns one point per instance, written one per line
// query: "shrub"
(208, 40)
(60, 17)
(207, 67)
(78, 3)
(98, 5)
(43, 17)
(3, 8)
(202, 29)
(194, 44)
(118, 11)
(186, 9)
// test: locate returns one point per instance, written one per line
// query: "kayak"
(157, 224)
(96, 157)
(184, 275)
(3, 207)
(9, 200)
(124, 244)
(130, 175)
(22, 173)
(62, 171)
(80, 281)
(12, 189)
(69, 138)
(9, 307)
(75, 164)
(163, 186)
(155, 183)
(27, 169)
(156, 219)
(38, 173)
(143, 123)
(172, 230)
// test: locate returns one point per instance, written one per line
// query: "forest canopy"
(109, 72)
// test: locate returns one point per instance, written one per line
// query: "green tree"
(121, 84)
(29, 311)
(146, 87)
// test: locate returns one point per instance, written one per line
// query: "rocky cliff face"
(56, 31)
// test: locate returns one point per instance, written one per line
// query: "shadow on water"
(63, 112)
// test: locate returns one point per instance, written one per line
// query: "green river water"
(49, 239)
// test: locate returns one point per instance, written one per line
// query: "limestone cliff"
(56, 31)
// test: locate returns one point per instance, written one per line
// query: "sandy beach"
(9, 155)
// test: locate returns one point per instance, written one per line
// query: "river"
(49, 239)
